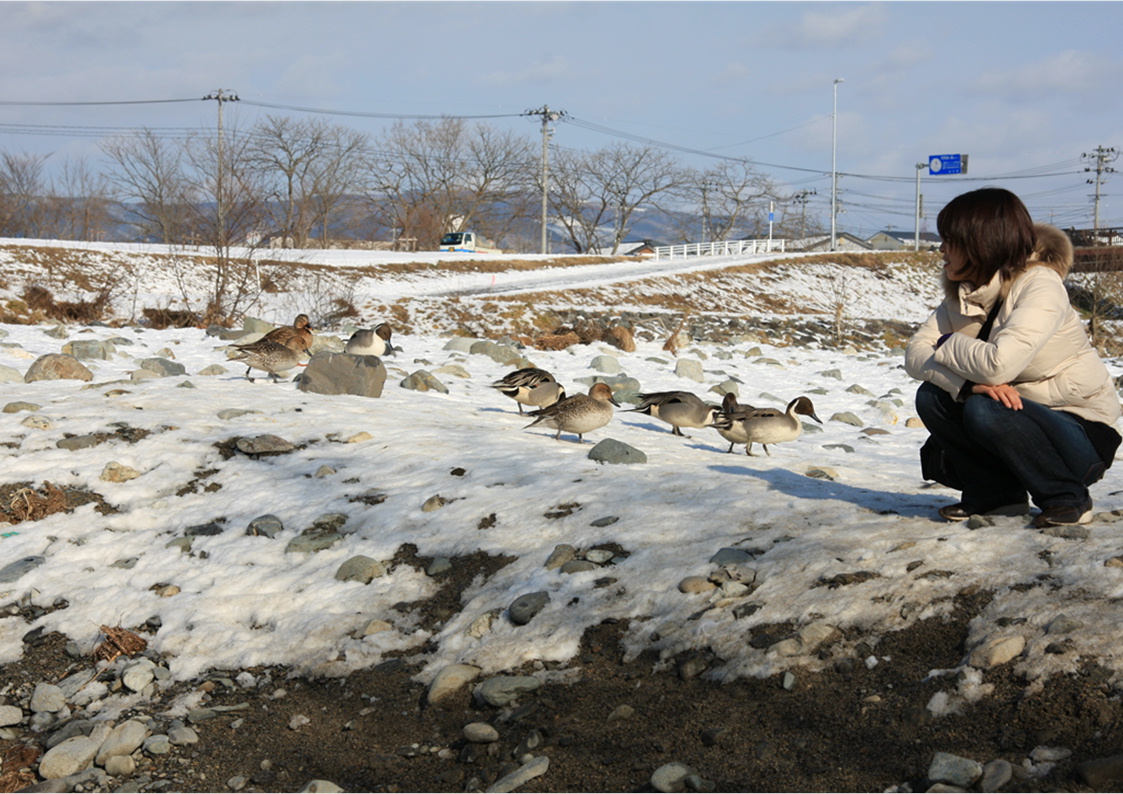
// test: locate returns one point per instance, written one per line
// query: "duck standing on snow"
(530, 386)
(679, 409)
(766, 426)
(580, 414)
(268, 356)
(297, 336)
(371, 341)
(726, 423)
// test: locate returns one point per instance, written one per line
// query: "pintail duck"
(679, 409)
(530, 386)
(766, 426)
(297, 336)
(726, 422)
(268, 356)
(371, 341)
(580, 413)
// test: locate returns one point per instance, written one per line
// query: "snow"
(244, 600)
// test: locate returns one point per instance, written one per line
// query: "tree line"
(310, 183)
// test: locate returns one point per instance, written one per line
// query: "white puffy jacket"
(1037, 343)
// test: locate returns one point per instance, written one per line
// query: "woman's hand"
(1004, 393)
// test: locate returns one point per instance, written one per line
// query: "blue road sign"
(941, 164)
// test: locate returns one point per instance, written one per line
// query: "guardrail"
(725, 248)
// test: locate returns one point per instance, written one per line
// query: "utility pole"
(1102, 157)
(916, 239)
(221, 96)
(548, 117)
(801, 198)
(834, 164)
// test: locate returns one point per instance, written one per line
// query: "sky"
(1024, 89)
(240, 600)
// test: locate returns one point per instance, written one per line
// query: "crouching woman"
(1014, 396)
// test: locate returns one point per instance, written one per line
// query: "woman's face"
(955, 262)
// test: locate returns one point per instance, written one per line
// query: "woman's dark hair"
(993, 229)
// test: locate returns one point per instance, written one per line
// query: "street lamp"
(834, 163)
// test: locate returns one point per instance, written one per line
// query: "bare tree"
(447, 176)
(721, 202)
(151, 186)
(79, 202)
(21, 194)
(609, 186)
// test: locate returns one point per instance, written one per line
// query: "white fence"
(725, 248)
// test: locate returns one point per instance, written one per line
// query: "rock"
(450, 680)
(846, 417)
(671, 777)
(139, 674)
(1102, 774)
(268, 526)
(119, 765)
(14, 570)
(20, 405)
(527, 772)
(690, 368)
(118, 472)
(523, 609)
(996, 774)
(609, 365)
(162, 367)
(423, 380)
(578, 566)
(157, 744)
(610, 450)
(342, 373)
(321, 787)
(122, 740)
(502, 690)
(696, 584)
(10, 715)
(90, 349)
(57, 366)
(996, 650)
(501, 354)
(265, 444)
(954, 770)
(730, 556)
(68, 758)
(360, 569)
(561, 554)
(47, 697)
(10, 374)
(480, 733)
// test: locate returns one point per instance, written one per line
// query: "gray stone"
(90, 349)
(265, 444)
(68, 758)
(268, 526)
(312, 540)
(78, 442)
(20, 405)
(996, 774)
(10, 374)
(14, 570)
(561, 554)
(730, 556)
(671, 777)
(119, 765)
(610, 450)
(342, 373)
(536, 767)
(523, 609)
(691, 369)
(609, 365)
(578, 566)
(1063, 624)
(422, 380)
(234, 413)
(846, 417)
(320, 787)
(599, 556)
(157, 744)
(480, 733)
(498, 353)
(47, 697)
(162, 367)
(954, 770)
(502, 690)
(460, 344)
(57, 366)
(1102, 774)
(360, 569)
(204, 530)
(439, 565)
(10, 715)
(449, 680)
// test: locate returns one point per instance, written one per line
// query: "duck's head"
(602, 391)
(802, 405)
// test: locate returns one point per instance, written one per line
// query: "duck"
(725, 424)
(530, 386)
(766, 426)
(297, 336)
(371, 341)
(268, 356)
(579, 413)
(679, 409)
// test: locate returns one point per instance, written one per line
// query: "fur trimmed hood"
(1053, 250)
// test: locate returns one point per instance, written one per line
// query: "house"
(629, 248)
(901, 240)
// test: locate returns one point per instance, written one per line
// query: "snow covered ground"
(838, 524)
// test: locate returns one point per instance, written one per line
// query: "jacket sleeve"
(920, 354)
(1036, 315)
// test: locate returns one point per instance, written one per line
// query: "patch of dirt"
(21, 501)
(855, 727)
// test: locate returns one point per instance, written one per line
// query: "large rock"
(57, 366)
(343, 373)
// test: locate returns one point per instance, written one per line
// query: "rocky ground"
(615, 726)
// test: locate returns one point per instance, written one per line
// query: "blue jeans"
(1000, 454)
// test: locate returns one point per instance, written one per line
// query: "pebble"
(997, 650)
(535, 767)
(671, 777)
(523, 609)
(157, 744)
(480, 733)
(954, 770)
(561, 554)
(696, 584)
(450, 680)
(181, 735)
(122, 740)
(502, 690)
(10, 715)
(1101, 774)
(47, 697)
(68, 758)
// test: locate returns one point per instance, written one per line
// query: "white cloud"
(1071, 71)
(555, 69)
(855, 24)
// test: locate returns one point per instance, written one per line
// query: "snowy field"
(839, 527)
